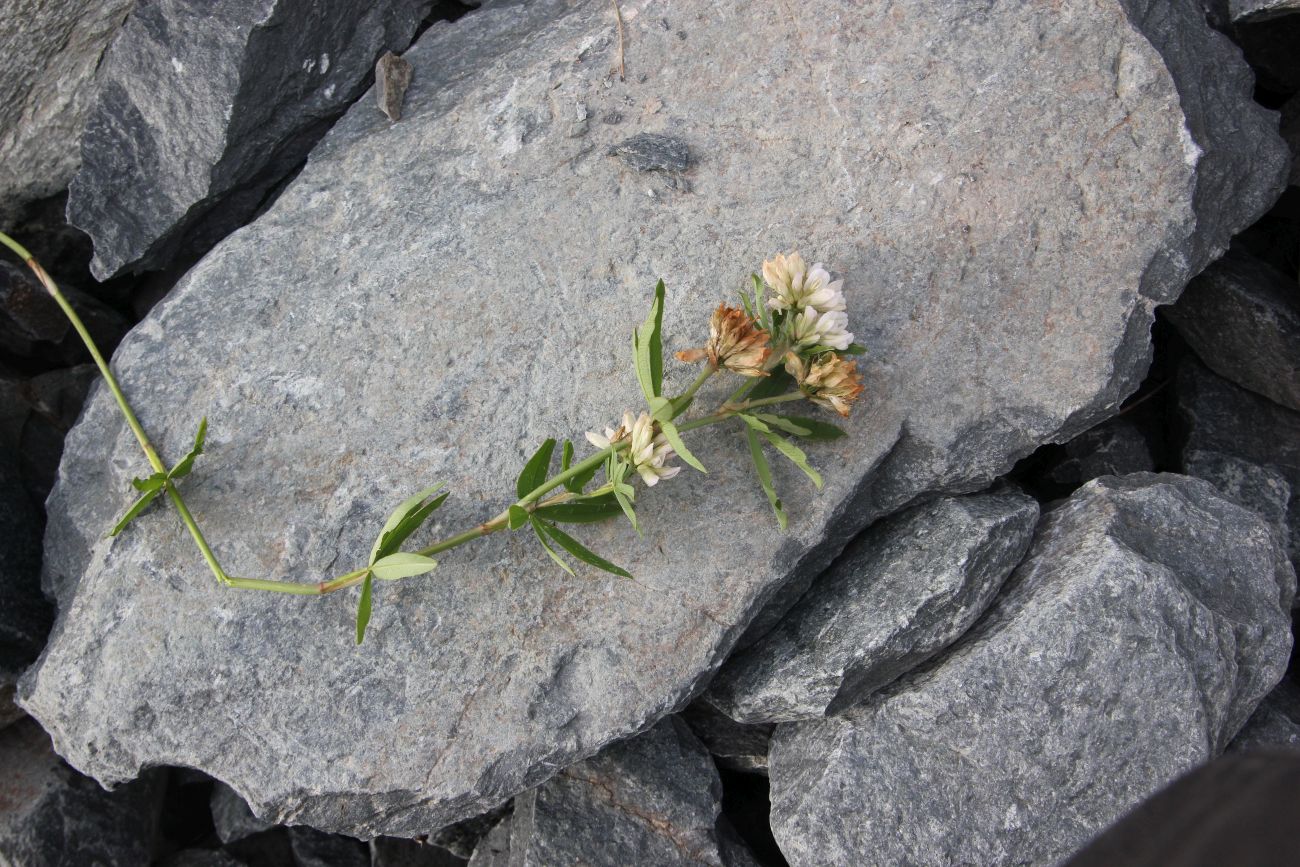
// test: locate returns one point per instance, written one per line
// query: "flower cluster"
(648, 450)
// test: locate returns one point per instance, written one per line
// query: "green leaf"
(753, 422)
(675, 440)
(136, 508)
(577, 549)
(782, 423)
(183, 467)
(855, 349)
(779, 382)
(534, 472)
(580, 481)
(746, 303)
(566, 456)
(592, 511)
(363, 607)
(760, 303)
(625, 503)
(647, 343)
(518, 517)
(402, 565)
(541, 537)
(796, 456)
(661, 408)
(405, 520)
(817, 430)
(152, 483)
(764, 473)
(681, 404)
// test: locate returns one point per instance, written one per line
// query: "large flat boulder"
(1007, 193)
(1150, 618)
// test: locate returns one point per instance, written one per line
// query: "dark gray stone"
(1242, 318)
(652, 152)
(51, 816)
(392, 78)
(1217, 416)
(1149, 620)
(1261, 489)
(1275, 725)
(462, 838)
(48, 406)
(400, 852)
(654, 799)
(231, 816)
(202, 858)
(430, 299)
(736, 746)
(33, 326)
(494, 849)
(49, 50)
(1290, 131)
(250, 87)
(902, 592)
(1115, 447)
(312, 848)
(25, 615)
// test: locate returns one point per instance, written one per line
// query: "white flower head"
(796, 286)
(648, 452)
(812, 328)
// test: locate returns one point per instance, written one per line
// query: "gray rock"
(494, 849)
(1217, 416)
(33, 326)
(1115, 447)
(49, 405)
(25, 615)
(400, 852)
(1259, 10)
(1148, 621)
(462, 838)
(1275, 724)
(321, 343)
(1261, 489)
(392, 78)
(1242, 318)
(654, 799)
(250, 87)
(735, 746)
(51, 815)
(312, 848)
(231, 816)
(902, 592)
(49, 50)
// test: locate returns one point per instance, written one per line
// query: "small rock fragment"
(494, 849)
(392, 78)
(737, 746)
(654, 799)
(903, 591)
(1275, 723)
(1242, 317)
(651, 152)
(312, 848)
(232, 817)
(1115, 447)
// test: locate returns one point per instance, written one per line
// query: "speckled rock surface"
(1275, 724)
(900, 593)
(1242, 317)
(1149, 619)
(1217, 416)
(430, 299)
(202, 109)
(52, 816)
(654, 799)
(49, 50)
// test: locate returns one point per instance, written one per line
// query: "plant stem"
(769, 401)
(134, 423)
(683, 400)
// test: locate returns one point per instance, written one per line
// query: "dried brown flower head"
(828, 380)
(735, 342)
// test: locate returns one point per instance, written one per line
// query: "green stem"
(683, 400)
(134, 423)
(769, 401)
